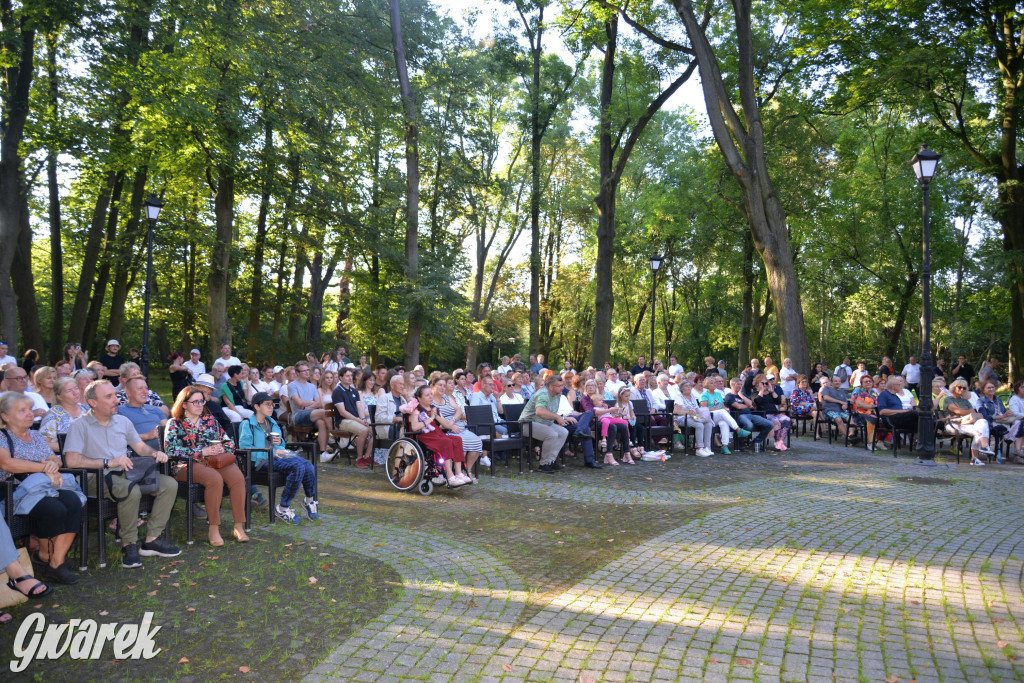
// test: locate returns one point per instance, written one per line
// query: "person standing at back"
(112, 362)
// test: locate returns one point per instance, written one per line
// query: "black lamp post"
(655, 265)
(153, 206)
(925, 163)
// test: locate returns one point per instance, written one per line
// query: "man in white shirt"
(912, 374)
(194, 365)
(4, 358)
(226, 359)
(674, 367)
(614, 384)
(16, 380)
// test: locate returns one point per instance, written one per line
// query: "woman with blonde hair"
(67, 408)
(52, 501)
(43, 378)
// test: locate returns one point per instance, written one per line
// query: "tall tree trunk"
(412, 188)
(53, 188)
(344, 298)
(536, 137)
(18, 44)
(256, 296)
(282, 279)
(189, 314)
(296, 299)
(24, 281)
(892, 338)
(126, 259)
(217, 281)
(748, 300)
(742, 146)
(610, 170)
(90, 261)
(110, 252)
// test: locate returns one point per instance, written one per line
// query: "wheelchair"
(411, 466)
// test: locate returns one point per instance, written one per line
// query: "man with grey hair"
(99, 441)
(129, 370)
(16, 380)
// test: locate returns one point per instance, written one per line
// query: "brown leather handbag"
(218, 461)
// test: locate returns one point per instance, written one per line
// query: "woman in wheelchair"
(260, 430)
(425, 429)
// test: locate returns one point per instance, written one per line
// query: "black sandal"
(32, 594)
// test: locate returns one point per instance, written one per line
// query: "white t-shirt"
(857, 376)
(197, 368)
(228, 362)
(504, 369)
(38, 403)
(788, 377)
(674, 370)
(907, 397)
(614, 386)
(912, 373)
(516, 399)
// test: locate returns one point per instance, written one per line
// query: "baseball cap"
(205, 380)
(770, 376)
(721, 362)
(195, 351)
(261, 397)
(113, 342)
(277, 369)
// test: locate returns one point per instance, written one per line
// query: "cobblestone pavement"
(824, 564)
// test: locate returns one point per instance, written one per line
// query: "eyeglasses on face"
(197, 402)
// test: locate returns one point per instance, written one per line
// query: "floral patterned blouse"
(870, 398)
(58, 421)
(186, 440)
(802, 402)
(36, 450)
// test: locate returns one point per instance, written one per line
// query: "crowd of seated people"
(95, 403)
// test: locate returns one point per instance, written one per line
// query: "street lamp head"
(153, 206)
(925, 162)
(655, 263)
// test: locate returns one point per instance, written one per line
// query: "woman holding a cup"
(262, 431)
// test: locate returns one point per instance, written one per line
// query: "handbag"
(143, 474)
(218, 461)
(970, 418)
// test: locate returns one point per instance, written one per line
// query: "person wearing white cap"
(194, 365)
(112, 361)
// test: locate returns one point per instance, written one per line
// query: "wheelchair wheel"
(405, 464)
(426, 488)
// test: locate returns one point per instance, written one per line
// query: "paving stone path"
(862, 573)
(459, 604)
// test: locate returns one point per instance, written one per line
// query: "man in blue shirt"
(891, 408)
(144, 417)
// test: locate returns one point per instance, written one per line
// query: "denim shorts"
(301, 418)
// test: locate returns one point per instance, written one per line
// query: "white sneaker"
(704, 453)
(485, 461)
(986, 450)
(326, 456)
(456, 481)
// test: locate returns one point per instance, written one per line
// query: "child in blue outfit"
(261, 431)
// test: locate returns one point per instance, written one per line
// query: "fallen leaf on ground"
(152, 593)
(244, 669)
(892, 679)
(744, 662)
(312, 579)
(506, 667)
(1001, 644)
(183, 660)
(104, 613)
(191, 609)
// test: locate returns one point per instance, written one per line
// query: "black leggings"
(52, 517)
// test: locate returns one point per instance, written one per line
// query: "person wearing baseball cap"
(194, 365)
(112, 361)
(205, 383)
(254, 432)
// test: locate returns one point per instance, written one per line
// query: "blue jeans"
(297, 470)
(583, 428)
(750, 421)
(8, 553)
